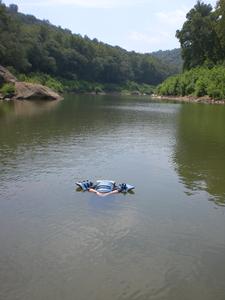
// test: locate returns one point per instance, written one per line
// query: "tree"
(30, 45)
(220, 25)
(197, 37)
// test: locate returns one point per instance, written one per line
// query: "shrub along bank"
(197, 82)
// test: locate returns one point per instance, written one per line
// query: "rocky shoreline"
(25, 90)
(189, 99)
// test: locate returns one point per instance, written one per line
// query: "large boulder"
(6, 76)
(25, 90)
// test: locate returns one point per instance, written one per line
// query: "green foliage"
(198, 82)
(200, 87)
(202, 39)
(94, 87)
(142, 88)
(7, 90)
(170, 57)
(220, 25)
(202, 36)
(43, 79)
(33, 46)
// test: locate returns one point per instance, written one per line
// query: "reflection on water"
(166, 241)
(26, 108)
(200, 149)
(5, 108)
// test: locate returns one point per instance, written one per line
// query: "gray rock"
(25, 90)
(6, 76)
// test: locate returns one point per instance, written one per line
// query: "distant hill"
(29, 45)
(171, 57)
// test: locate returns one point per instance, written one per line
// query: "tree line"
(202, 40)
(28, 45)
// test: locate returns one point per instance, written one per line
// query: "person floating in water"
(104, 187)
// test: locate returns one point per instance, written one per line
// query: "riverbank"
(28, 91)
(13, 89)
(189, 99)
(200, 84)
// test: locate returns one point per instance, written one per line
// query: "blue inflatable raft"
(104, 186)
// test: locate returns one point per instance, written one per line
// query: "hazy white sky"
(140, 25)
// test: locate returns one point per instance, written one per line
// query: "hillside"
(29, 45)
(170, 57)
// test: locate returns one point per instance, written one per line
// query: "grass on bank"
(7, 90)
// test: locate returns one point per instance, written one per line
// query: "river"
(166, 241)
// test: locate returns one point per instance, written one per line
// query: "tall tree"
(220, 25)
(197, 37)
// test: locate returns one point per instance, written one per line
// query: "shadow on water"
(200, 150)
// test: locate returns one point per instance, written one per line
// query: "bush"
(54, 84)
(214, 92)
(199, 81)
(8, 90)
(200, 88)
(44, 79)
(98, 89)
(143, 88)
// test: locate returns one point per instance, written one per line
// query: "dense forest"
(202, 40)
(171, 57)
(43, 52)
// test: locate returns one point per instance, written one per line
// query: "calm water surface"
(165, 242)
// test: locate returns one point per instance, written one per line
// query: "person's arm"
(92, 190)
(107, 194)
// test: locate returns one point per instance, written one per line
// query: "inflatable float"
(104, 186)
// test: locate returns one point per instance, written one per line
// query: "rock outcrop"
(25, 90)
(6, 76)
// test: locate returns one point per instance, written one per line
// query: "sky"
(139, 25)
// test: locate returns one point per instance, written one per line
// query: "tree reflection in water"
(200, 149)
